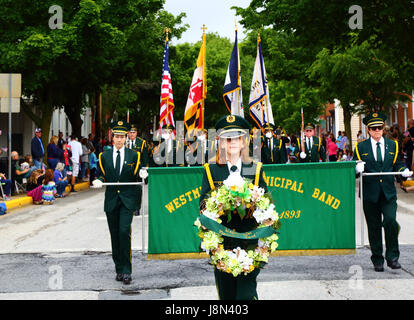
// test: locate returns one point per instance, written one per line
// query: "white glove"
(302, 155)
(407, 173)
(360, 167)
(97, 183)
(143, 173)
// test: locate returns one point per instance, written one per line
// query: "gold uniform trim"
(396, 152)
(256, 179)
(138, 162)
(209, 177)
(100, 163)
(356, 150)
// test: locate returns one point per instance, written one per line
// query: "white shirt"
(374, 147)
(76, 148)
(238, 165)
(309, 142)
(115, 154)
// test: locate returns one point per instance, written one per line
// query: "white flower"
(212, 215)
(262, 215)
(234, 180)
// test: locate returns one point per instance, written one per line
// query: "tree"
(387, 26)
(357, 75)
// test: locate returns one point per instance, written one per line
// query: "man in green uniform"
(168, 152)
(273, 146)
(199, 151)
(138, 144)
(311, 149)
(379, 154)
(119, 164)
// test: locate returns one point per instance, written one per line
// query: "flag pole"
(204, 28)
(302, 137)
(167, 30)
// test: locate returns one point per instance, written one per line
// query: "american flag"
(167, 100)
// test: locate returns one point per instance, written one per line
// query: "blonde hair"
(244, 152)
(54, 139)
(60, 166)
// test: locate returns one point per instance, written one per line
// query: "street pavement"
(62, 252)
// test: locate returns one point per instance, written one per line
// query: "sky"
(215, 14)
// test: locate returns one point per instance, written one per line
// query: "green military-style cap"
(133, 128)
(120, 127)
(232, 126)
(374, 119)
(309, 126)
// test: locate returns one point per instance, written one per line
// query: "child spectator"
(93, 162)
(60, 180)
(34, 186)
(48, 187)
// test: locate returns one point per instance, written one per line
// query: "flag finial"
(258, 35)
(167, 31)
(235, 24)
(204, 28)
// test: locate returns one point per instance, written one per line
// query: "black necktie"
(118, 163)
(379, 155)
(233, 168)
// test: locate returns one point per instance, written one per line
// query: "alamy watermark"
(56, 20)
(355, 21)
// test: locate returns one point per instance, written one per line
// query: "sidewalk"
(21, 200)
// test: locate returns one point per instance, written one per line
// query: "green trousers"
(378, 215)
(242, 287)
(119, 222)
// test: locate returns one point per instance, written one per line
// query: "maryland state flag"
(194, 110)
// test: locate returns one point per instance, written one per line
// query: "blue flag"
(232, 92)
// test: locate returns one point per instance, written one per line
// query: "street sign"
(10, 86)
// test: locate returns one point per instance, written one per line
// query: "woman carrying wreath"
(232, 161)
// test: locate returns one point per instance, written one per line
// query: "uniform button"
(380, 180)
(119, 191)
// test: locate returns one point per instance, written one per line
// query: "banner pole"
(361, 205)
(143, 218)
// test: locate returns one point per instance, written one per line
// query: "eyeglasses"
(379, 128)
(309, 130)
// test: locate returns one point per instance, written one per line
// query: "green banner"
(315, 203)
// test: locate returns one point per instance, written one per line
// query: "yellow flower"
(251, 186)
(233, 188)
(214, 193)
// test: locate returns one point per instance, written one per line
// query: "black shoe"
(119, 277)
(73, 190)
(394, 264)
(379, 268)
(127, 279)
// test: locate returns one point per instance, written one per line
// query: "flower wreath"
(238, 193)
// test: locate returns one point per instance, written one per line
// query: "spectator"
(37, 149)
(60, 180)
(360, 136)
(28, 158)
(332, 148)
(67, 154)
(76, 148)
(84, 159)
(48, 187)
(340, 155)
(93, 163)
(338, 139)
(349, 154)
(17, 172)
(343, 144)
(54, 153)
(6, 184)
(60, 140)
(34, 186)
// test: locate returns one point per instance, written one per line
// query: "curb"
(25, 200)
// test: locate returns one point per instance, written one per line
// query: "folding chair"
(2, 192)
(19, 187)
